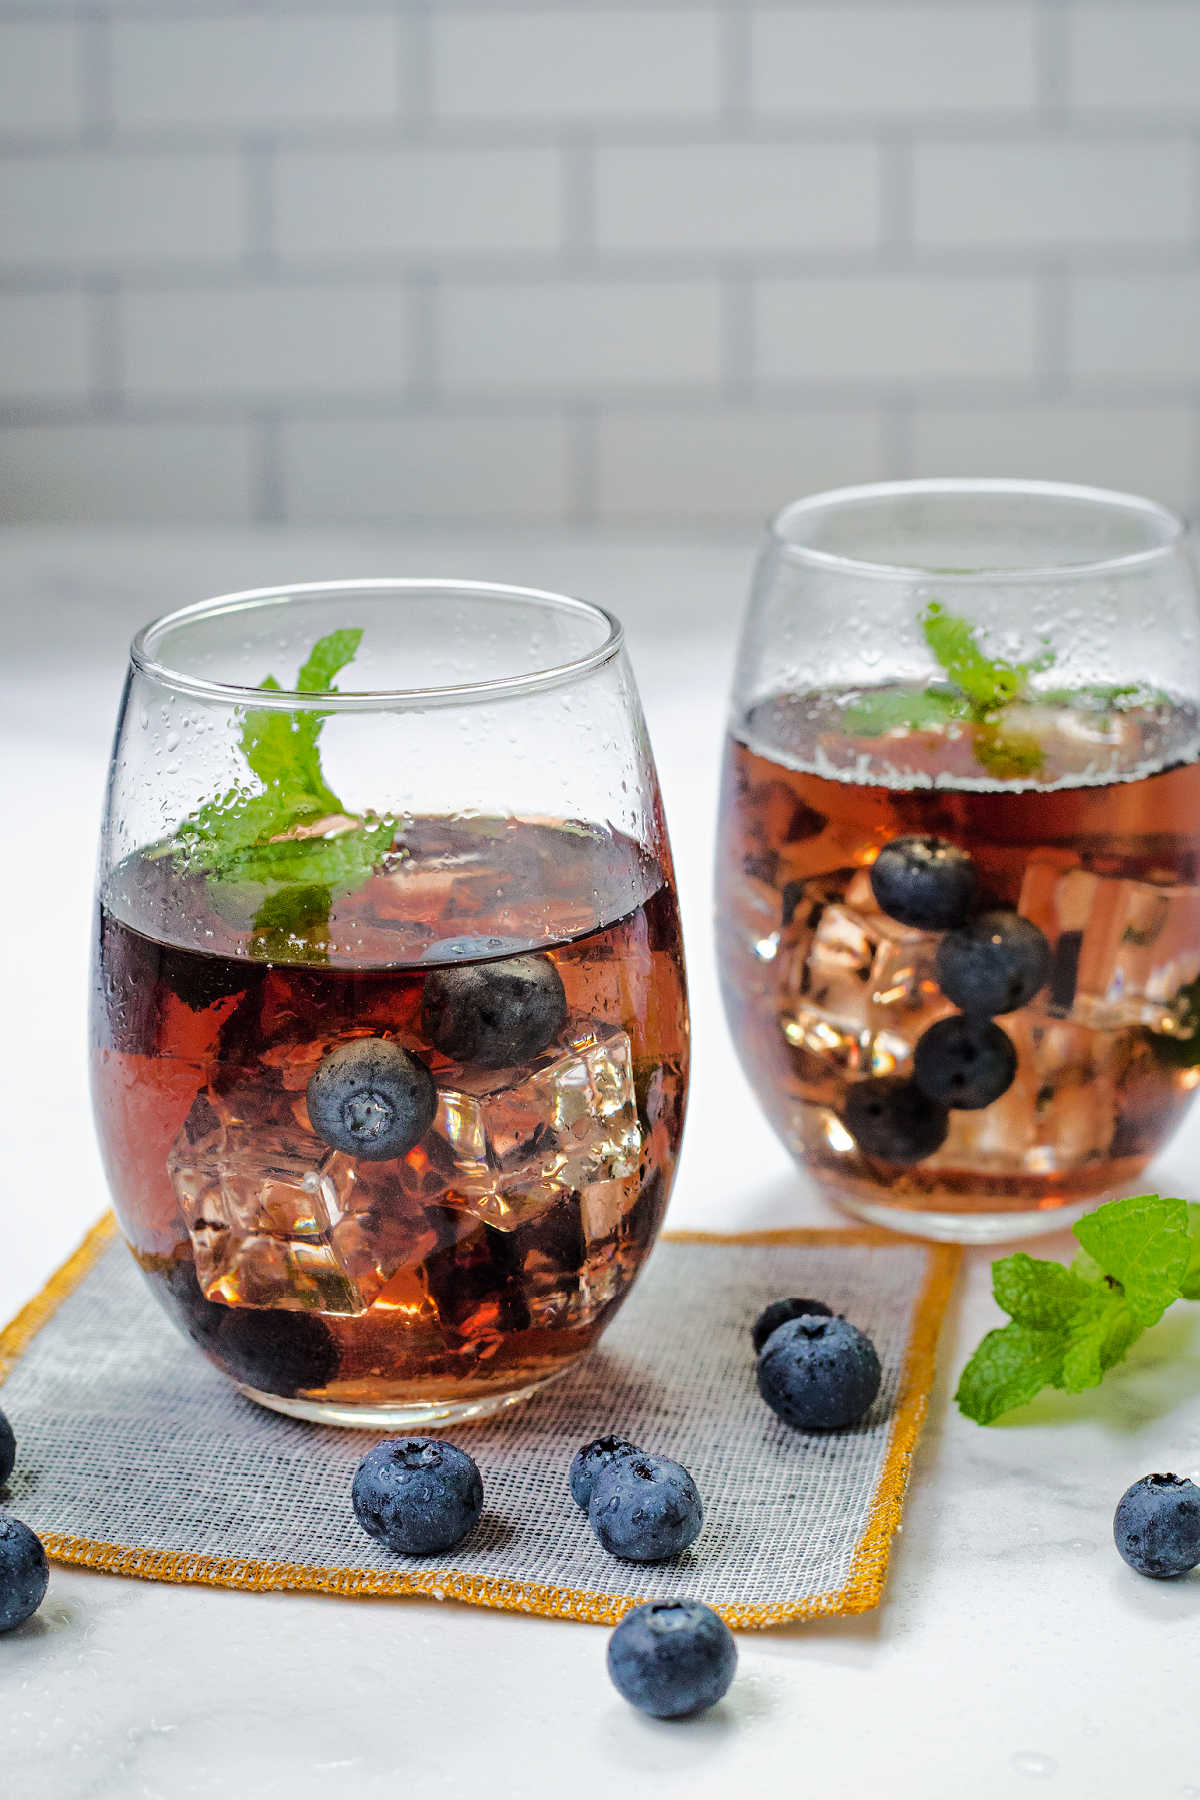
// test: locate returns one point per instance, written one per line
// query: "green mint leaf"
(1189, 1286)
(1010, 1366)
(989, 682)
(1040, 1294)
(1143, 1243)
(1098, 1335)
(894, 709)
(341, 860)
(328, 656)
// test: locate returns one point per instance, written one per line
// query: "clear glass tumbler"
(390, 1033)
(958, 908)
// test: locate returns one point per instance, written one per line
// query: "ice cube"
(277, 1218)
(856, 988)
(1124, 949)
(509, 1144)
(1061, 1111)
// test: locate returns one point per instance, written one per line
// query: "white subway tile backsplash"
(154, 474)
(210, 73)
(1138, 55)
(43, 348)
(736, 464)
(423, 467)
(509, 64)
(742, 197)
(895, 329)
(893, 60)
(265, 342)
(105, 209)
(1055, 192)
(1144, 449)
(41, 83)
(579, 337)
(1135, 326)
(417, 202)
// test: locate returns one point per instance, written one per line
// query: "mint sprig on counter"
(1069, 1326)
(292, 836)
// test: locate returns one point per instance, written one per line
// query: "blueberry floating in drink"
(964, 1062)
(24, 1572)
(924, 882)
(371, 1099)
(819, 1374)
(1156, 1526)
(8, 1449)
(589, 1462)
(417, 1495)
(780, 1311)
(994, 964)
(645, 1508)
(670, 1658)
(893, 1119)
(497, 1013)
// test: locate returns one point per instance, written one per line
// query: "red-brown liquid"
(495, 1251)
(822, 989)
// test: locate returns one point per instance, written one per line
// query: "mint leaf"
(1099, 1334)
(1041, 1294)
(988, 682)
(1143, 1243)
(1189, 1286)
(328, 656)
(894, 709)
(1010, 1366)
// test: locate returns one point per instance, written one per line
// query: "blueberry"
(994, 964)
(24, 1572)
(276, 1351)
(818, 1374)
(468, 948)
(645, 1508)
(496, 1013)
(964, 1062)
(925, 882)
(891, 1118)
(8, 1450)
(589, 1461)
(372, 1099)
(671, 1657)
(780, 1311)
(1156, 1526)
(417, 1495)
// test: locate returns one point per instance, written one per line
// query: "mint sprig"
(289, 843)
(1069, 1326)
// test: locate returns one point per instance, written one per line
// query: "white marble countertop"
(1014, 1653)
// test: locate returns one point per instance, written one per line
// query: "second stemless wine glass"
(957, 901)
(390, 1036)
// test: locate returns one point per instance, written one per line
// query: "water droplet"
(1033, 1763)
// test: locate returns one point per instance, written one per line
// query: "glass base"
(415, 1415)
(964, 1228)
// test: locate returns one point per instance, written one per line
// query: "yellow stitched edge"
(868, 1567)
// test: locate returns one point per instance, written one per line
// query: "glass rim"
(1173, 529)
(142, 650)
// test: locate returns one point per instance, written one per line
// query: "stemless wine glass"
(390, 1022)
(957, 901)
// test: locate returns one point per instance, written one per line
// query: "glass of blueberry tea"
(958, 894)
(389, 1021)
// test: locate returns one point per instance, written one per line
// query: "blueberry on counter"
(1156, 1526)
(964, 1062)
(780, 1311)
(994, 964)
(670, 1658)
(417, 1495)
(645, 1508)
(8, 1450)
(924, 882)
(588, 1462)
(495, 1013)
(819, 1374)
(24, 1572)
(890, 1117)
(370, 1098)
